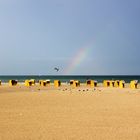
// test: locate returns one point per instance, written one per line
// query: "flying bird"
(57, 69)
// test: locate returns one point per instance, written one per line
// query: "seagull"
(57, 69)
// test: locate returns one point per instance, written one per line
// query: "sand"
(48, 113)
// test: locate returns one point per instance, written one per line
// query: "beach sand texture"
(65, 113)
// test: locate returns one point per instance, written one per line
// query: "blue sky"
(38, 35)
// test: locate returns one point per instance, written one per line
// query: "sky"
(80, 37)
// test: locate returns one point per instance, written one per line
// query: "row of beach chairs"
(76, 83)
(120, 83)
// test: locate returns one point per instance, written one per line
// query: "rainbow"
(77, 60)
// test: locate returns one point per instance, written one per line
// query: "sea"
(67, 78)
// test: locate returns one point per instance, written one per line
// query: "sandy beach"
(65, 113)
